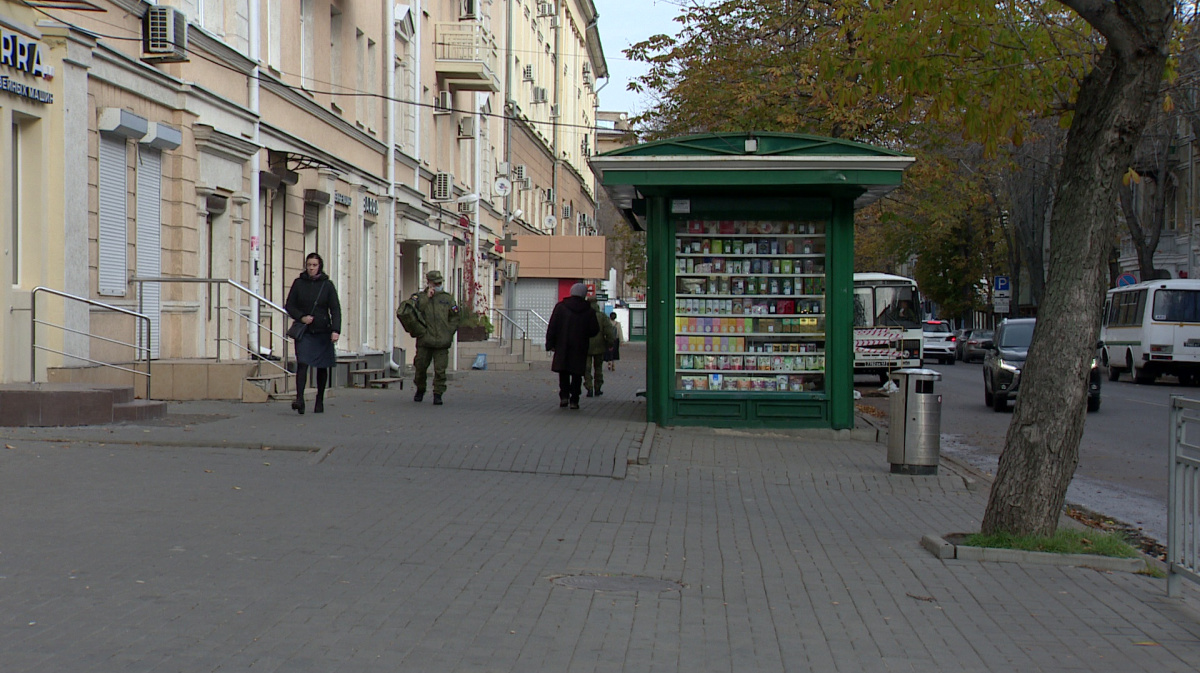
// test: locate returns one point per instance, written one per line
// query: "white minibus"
(1153, 328)
(887, 324)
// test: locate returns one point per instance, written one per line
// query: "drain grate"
(616, 583)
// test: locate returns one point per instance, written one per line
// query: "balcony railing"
(466, 56)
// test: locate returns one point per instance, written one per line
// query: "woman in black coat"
(313, 300)
(572, 324)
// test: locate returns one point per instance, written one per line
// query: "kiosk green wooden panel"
(750, 244)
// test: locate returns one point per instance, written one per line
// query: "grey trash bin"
(914, 425)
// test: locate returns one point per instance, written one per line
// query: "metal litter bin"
(914, 430)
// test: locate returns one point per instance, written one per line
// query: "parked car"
(973, 348)
(960, 341)
(1005, 357)
(938, 341)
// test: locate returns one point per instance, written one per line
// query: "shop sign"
(25, 56)
(341, 199)
(370, 205)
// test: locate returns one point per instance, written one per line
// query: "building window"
(274, 36)
(360, 78)
(372, 86)
(15, 179)
(335, 46)
(113, 216)
(308, 40)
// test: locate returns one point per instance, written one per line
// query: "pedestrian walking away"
(572, 325)
(593, 374)
(313, 302)
(436, 321)
(614, 352)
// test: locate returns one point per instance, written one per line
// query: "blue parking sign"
(1002, 284)
(1126, 279)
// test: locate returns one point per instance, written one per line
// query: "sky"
(622, 24)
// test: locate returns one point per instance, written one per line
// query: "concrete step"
(71, 404)
(138, 410)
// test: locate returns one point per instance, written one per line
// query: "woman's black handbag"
(297, 330)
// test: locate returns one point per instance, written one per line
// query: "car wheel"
(999, 402)
(1093, 404)
(987, 391)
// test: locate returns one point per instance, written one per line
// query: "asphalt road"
(1123, 456)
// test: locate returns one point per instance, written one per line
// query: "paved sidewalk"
(386, 535)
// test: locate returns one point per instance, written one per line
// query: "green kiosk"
(750, 245)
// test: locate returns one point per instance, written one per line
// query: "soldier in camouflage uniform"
(593, 373)
(440, 315)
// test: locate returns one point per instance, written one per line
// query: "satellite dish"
(550, 221)
(503, 186)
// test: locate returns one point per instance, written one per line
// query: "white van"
(1153, 328)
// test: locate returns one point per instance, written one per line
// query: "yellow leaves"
(1168, 103)
(1131, 177)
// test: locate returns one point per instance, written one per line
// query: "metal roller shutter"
(113, 216)
(149, 238)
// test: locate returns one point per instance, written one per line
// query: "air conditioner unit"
(555, 111)
(523, 185)
(442, 187)
(566, 210)
(583, 219)
(164, 35)
(444, 103)
(520, 172)
(546, 9)
(468, 207)
(527, 73)
(548, 195)
(466, 127)
(511, 269)
(587, 70)
(468, 9)
(502, 168)
(539, 94)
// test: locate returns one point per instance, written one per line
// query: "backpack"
(410, 317)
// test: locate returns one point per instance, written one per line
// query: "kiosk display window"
(750, 306)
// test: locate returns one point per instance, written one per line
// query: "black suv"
(1006, 356)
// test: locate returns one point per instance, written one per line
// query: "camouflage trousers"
(593, 372)
(440, 357)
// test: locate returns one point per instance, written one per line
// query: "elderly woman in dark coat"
(572, 324)
(313, 300)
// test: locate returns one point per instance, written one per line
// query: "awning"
(416, 232)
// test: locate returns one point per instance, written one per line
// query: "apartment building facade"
(180, 159)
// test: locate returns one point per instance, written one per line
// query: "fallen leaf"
(237, 488)
(9, 446)
(1148, 643)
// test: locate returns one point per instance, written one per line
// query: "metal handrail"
(505, 321)
(34, 347)
(141, 280)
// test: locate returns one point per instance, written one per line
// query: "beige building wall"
(343, 169)
(560, 256)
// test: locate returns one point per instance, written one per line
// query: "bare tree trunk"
(1042, 447)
